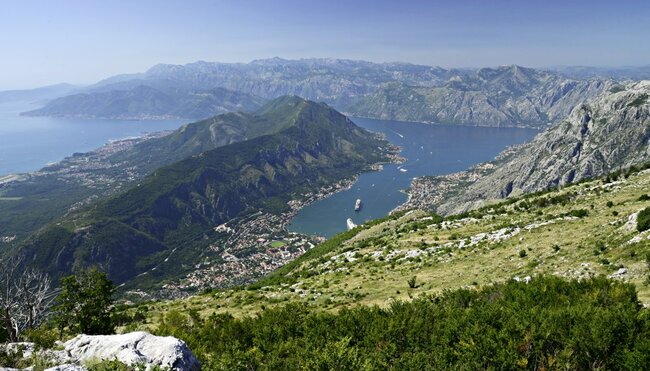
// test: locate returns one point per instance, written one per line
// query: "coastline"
(422, 122)
(259, 231)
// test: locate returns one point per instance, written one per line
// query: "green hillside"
(164, 225)
(36, 199)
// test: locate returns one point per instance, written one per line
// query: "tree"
(85, 304)
(25, 298)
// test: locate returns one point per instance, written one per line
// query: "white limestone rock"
(133, 349)
(67, 367)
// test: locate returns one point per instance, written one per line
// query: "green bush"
(580, 213)
(643, 220)
(412, 282)
(11, 359)
(547, 323)
(85, 304)
(43, 337)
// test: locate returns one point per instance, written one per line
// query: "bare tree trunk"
(25, 297)
(9, 325)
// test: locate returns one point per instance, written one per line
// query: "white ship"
(357, 205)
(351, 224)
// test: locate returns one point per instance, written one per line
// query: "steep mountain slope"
(608, 133)
(174, 211)
(145, 102)
(504, 96)
(35, 199)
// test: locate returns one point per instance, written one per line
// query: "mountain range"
(501, 96)
(144, 102)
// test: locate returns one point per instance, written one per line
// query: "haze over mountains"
(144, 102)
(501, 96)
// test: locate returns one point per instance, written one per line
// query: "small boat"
(357, 205)
(351, 224)
(403, 170)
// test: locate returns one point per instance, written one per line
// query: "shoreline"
(258, 230)
(540, 128)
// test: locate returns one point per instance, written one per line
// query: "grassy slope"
(596, 244)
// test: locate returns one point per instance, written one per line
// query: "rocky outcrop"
(608, 133)
(133, 349)
(504, 96)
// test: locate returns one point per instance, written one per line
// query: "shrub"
(610, 204)
(412, 282)
(522, 253)
(580, 213)
(43, 337)
(548, 322)
(643, 220)
(644, 197)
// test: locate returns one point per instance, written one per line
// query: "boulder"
(67, 367)
(135, 348)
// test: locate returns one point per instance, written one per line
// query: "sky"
(82, 41)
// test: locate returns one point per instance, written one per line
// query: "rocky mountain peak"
(609, 132)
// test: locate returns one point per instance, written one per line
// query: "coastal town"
(252, 246)
(97, 169)
(427, 192)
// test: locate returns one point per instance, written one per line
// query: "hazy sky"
(81, 41)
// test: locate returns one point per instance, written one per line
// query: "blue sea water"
(429, 149)
(29, 143)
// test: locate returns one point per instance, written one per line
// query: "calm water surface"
(429, 149)
(29, 143)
